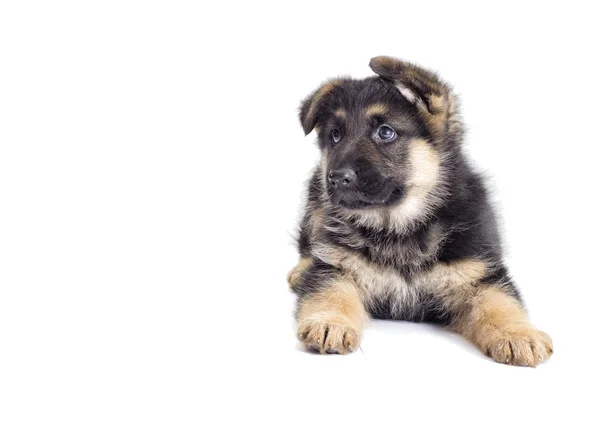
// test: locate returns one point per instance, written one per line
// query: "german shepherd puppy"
(397, 223)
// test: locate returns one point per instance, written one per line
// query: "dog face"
(379, 136)
(364, 129)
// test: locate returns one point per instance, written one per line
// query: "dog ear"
(433, 97)
(418, 85)
(313, 105)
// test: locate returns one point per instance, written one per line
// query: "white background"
(151, 176)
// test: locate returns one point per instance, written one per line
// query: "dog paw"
(329, 333)
(524, 347)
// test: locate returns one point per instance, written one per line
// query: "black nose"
(344, 177)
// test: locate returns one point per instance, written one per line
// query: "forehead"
(372, 96)
(361, 105)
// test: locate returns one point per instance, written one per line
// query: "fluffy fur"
(401, 227)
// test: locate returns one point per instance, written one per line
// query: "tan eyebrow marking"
(341, 113)
(376, 110)
(320, 93)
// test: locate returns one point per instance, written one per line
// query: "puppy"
(398, 225)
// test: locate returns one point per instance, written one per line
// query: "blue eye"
(336, 135)
(386, 133)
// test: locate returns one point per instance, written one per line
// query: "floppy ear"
(432, 96)
(416, 84)
(313, 105)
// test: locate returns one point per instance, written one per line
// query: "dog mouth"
(359, 201)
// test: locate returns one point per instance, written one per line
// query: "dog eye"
(386, 133)
(336, 135)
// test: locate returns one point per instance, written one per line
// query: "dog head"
(382, 138)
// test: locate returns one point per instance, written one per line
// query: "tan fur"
(453, 282)
(296, 273)
(440, 115)
(376, 110)
(424, 163)
(497, 324)
(331, 320)
(458, 273)
(371, 279)
(340, 113)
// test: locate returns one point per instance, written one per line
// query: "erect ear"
(313, 105)
(418, 85)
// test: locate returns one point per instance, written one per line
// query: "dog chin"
(356, 203)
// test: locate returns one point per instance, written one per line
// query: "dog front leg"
(330, 311)
(497, 323)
